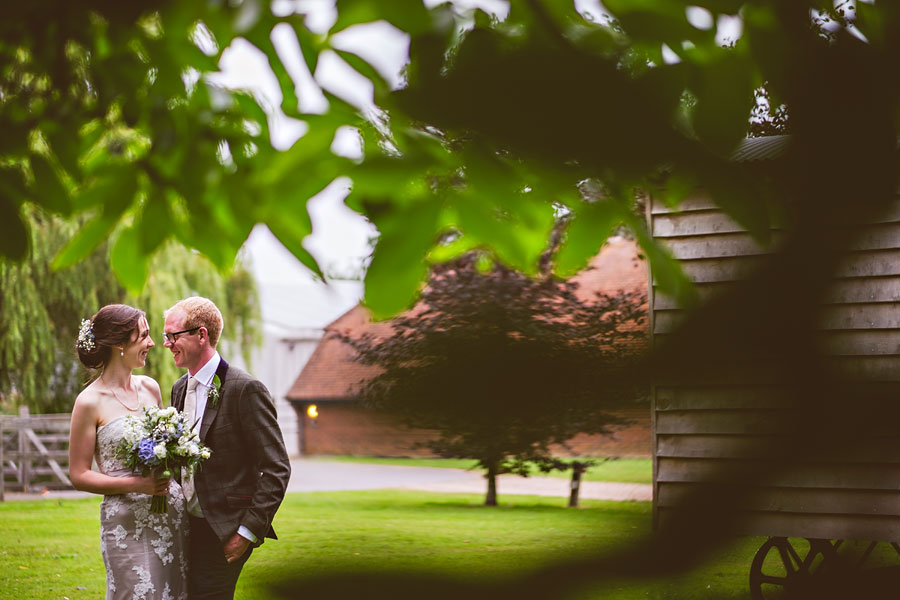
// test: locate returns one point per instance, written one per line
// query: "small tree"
(503, 366)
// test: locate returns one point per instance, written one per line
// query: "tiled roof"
(761, 148)
(332, 374)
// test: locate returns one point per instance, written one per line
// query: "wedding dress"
(145, 553)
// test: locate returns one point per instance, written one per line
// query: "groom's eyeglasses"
(171, 337)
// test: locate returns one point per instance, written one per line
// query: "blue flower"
(145, 451)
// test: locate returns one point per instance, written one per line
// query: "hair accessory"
(121, 352)
(86, 336)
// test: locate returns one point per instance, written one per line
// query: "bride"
(145, 553)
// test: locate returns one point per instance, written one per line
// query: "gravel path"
(311, 475)
(322, 475)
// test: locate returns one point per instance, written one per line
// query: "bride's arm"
(82, 438)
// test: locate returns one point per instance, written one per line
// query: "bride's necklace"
(119, 400)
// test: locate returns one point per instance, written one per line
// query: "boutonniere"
(213, 395)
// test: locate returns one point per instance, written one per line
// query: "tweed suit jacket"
(245, 478)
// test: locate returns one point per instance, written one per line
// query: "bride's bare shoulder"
(88, 403)
(149, 384)
(90, 396)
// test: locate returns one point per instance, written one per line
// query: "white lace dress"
(145, 554)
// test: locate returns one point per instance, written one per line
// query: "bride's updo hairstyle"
(113, 325)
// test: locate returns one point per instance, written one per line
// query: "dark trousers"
(210, 576)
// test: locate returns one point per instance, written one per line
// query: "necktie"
(190, 407)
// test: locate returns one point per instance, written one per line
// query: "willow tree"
(41, 309)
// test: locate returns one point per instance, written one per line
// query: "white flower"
(160, 450)
(132, 432)
(86, 336)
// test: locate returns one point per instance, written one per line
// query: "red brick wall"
(632, 440)
(343, 429)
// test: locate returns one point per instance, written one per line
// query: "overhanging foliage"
(108, 111)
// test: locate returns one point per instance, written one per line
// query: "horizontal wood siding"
(735, 433)
(806, 524)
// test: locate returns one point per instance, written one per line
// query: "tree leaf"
(668, 276)
(410, 16)
(250, 107)
(14, 241)
(724, 91)
(129, 260)
(739, 194)
(310, 45)
(155, 224)
(64, 145)
(112, 187)
(290, 232)
(451, 250)
(362, 67)
(163, 56)
(260, 36)
(650, 20)
(12, 185)
(398, 268)
(85, 241)
(50, 192)
(677, 186)
(385, 177)
(591, 224)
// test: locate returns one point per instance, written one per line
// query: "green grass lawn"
(388, 539)
(625, 470)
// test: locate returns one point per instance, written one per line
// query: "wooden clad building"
(736, 429)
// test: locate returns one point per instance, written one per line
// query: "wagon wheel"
(790, 568)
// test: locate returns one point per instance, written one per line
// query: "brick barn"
(330, 422)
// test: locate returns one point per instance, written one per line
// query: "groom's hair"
(200, 312)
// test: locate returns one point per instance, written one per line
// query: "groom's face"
(186, 349)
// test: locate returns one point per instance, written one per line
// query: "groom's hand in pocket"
(235, 547)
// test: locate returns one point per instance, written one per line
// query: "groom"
(234, 494)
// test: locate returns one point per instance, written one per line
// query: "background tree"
(41, 310)
(503, 366)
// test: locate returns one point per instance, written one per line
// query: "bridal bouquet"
(161, 441)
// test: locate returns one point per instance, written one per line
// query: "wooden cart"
(720, 430)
